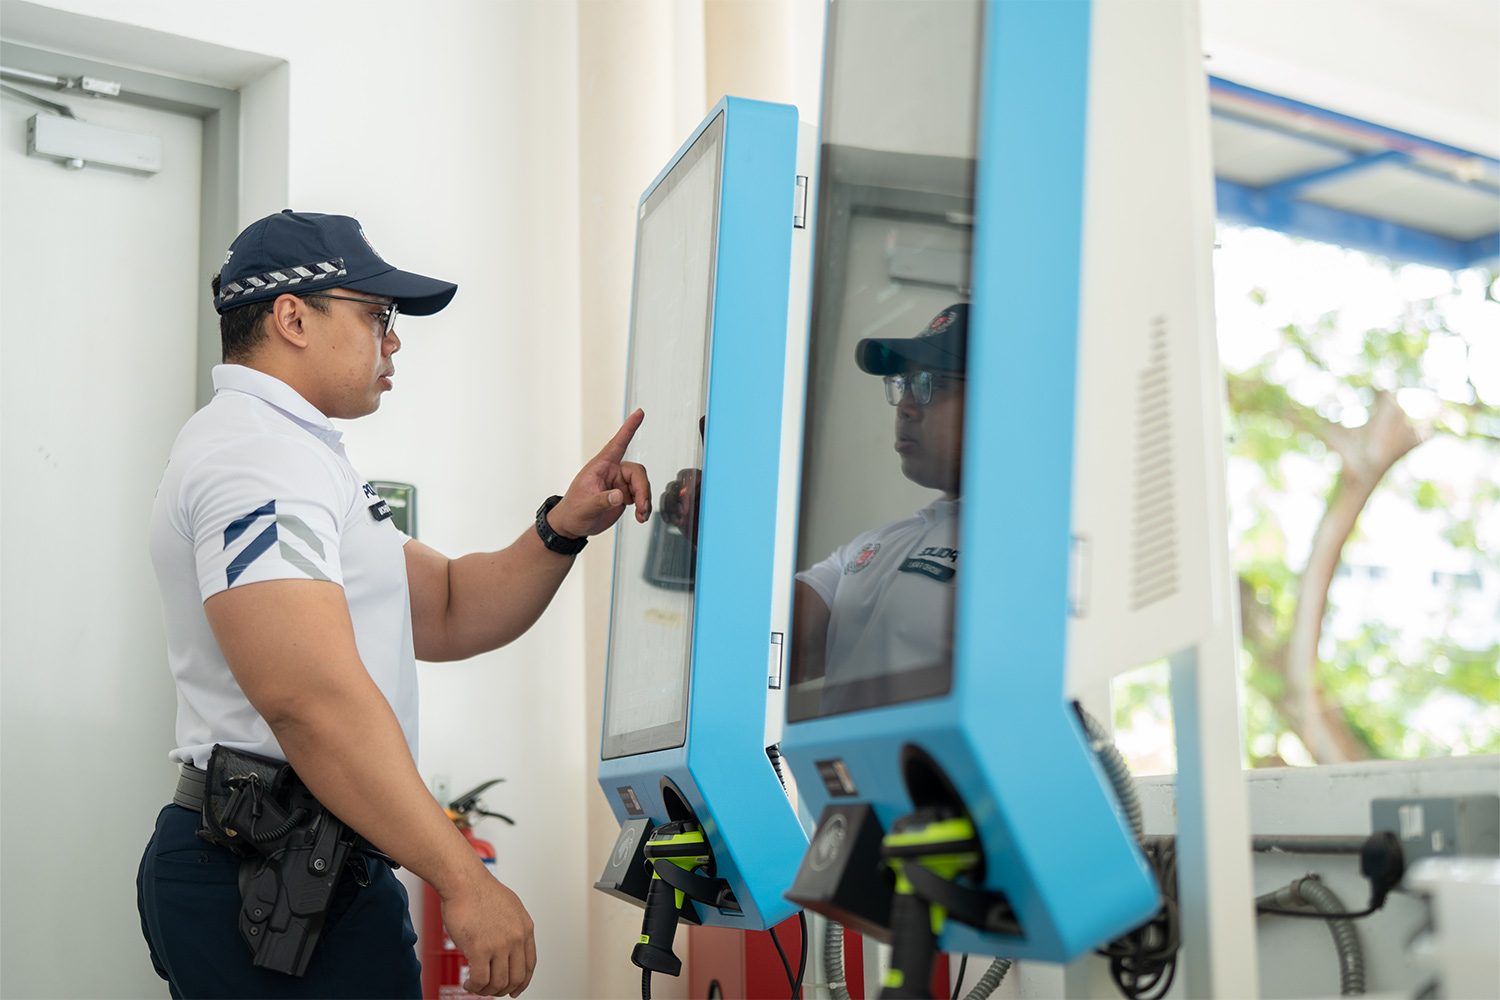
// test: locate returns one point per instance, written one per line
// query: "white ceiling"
(1429, 67)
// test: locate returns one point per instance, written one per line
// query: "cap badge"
(369, 244)
(940, 323)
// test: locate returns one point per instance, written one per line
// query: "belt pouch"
(231, 774)
(293, 852)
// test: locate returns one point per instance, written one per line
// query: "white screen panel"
(651, 620)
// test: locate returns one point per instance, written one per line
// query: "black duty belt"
(190, 783)
(192, 780)
(293, 851)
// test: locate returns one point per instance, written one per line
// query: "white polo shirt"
(890, 597)
(258, 488)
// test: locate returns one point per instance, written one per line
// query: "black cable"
(645, 984)
(1380, 861)
(790, 979)
(281, 829)
(1143, 962)
(802, 963)
(958, 984)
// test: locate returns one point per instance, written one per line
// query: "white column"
(640, 93)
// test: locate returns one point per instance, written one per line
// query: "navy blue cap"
(293, 252)
(942, 346)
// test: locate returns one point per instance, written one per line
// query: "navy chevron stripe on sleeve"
(237, 528)
(252, 552)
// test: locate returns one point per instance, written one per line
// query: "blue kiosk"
(708, 831)
(1037, 306)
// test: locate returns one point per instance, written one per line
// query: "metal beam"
(1485, 250)
(1290, 131)
(1291, 187)
(1258, 207)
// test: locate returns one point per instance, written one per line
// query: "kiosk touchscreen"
(708, 832)
(1009, 435)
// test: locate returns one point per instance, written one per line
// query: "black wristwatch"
(557, 543)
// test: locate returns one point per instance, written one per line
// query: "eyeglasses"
(921, 384)
(386, 317)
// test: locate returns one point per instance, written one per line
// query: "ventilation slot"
(1154, 541)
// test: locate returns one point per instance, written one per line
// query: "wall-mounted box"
(79, 143)
(1446, 826)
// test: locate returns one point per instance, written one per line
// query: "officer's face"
(929, 438)
(355, 353)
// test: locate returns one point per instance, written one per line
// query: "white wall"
(451, 131)
(640, 94)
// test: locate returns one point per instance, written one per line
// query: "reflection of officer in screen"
(679, 501)
(883, 604)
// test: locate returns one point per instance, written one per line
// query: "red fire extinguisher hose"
(444, 967)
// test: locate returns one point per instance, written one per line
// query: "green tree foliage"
(1344, 410)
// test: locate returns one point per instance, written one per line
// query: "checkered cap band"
(287, 277)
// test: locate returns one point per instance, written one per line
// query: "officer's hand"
(490, 926)
(604, 487)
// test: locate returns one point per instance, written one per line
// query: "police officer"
(882, 605)
(295, 611)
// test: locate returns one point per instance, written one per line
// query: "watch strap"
(555, 542)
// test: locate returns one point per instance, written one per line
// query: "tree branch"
(1369, 452)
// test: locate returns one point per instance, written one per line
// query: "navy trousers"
(189, 897)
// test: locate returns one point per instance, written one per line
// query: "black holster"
(293, 852)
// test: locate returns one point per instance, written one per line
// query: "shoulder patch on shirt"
(862, 558)
(261, 543)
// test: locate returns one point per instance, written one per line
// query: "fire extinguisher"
(444, 967)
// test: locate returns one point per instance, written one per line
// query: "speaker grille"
(1154, 575)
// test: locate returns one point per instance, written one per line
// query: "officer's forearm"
(810, 619)
(348, 748)
(479, 602)
(303, 674)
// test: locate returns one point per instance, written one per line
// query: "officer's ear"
(286, 320)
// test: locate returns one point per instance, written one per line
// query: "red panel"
(716, 953)
(854, 964)
(939, 984)
(765, 978)
(746, 965)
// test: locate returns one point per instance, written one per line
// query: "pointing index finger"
(614, 451)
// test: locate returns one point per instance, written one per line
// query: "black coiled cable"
(1144, 961)
(281, 829)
